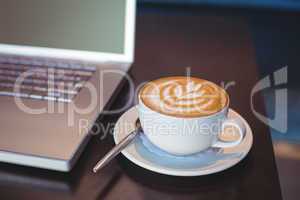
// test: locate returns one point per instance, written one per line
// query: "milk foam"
(184, 96)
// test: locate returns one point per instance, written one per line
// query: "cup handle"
(237, 123)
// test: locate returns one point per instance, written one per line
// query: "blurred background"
(275, 29)
(272, 4)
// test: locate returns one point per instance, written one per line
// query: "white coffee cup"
(184, 136)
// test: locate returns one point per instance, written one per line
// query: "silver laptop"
(60, 63)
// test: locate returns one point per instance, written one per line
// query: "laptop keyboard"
(43, 81)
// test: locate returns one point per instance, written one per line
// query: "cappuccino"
(181, 96)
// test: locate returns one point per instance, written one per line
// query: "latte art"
(184, 96)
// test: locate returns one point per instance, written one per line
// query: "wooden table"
(215, 46)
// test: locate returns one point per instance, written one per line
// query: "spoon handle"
(115, 151)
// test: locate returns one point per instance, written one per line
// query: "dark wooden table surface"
(215, 46)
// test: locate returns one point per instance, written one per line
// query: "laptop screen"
(93, 25)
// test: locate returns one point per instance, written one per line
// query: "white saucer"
(146, 155)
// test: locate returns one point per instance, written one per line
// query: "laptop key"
(55, 82)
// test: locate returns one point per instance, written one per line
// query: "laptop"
(60, 63)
